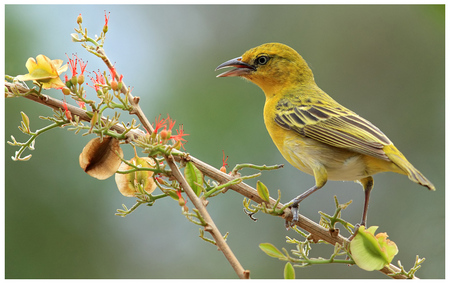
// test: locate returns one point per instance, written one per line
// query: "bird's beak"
(242, 68)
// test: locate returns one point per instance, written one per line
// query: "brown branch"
(251, 193)
(210, 227)
(317, 231)
(59, 105)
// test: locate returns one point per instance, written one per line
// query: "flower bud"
(181, 201)
(105, 29)
(81, 79)
(94, 120)
(74, 80)
(162, 181)
(66, 91)
(165, 134)
(69, 84)
(68, 115)
(114, 85)
(79, 19)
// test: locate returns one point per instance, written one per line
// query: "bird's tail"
(413, 174)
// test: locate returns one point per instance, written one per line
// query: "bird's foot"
(294, 210)
(356, 231)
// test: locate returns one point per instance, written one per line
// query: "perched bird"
(312, 131)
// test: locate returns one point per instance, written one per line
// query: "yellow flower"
(44, 71)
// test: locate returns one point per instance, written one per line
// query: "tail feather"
(412, 173)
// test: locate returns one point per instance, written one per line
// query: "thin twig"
(134, 101)
(210, 227)
(59, 105)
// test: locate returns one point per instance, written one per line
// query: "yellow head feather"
(277, 66)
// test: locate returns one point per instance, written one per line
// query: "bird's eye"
(263, 59)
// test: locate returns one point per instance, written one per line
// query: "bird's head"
(271, 66)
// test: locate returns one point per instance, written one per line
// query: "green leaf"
(272, 251)
(372, 252)
(289, 272)
(263, 192)
(25, 123)
(171, 193)
(193, 176)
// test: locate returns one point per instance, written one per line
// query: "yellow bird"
(312, 131)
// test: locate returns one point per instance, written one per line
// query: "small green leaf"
(25, 123)
(289, 272)
(171, 193)
(193, 176)
(263, 192)
(272, 251)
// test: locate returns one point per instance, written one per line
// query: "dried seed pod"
(129, 183)
(101, 158)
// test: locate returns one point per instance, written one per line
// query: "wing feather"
(335, 126)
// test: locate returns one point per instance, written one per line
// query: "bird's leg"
(320, 175)
(367, 184)
(296, 201)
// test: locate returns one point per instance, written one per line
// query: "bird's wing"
(334, 126)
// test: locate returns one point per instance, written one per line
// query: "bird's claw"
(294, 210)
(355, 232)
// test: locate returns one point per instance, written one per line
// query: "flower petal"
(31, 64)
(53, 83)
(46, 64)
(44, 71)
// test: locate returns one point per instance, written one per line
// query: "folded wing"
(335, 126)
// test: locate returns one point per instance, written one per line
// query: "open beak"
(241, 69)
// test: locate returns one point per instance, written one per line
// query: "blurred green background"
(386, 63)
